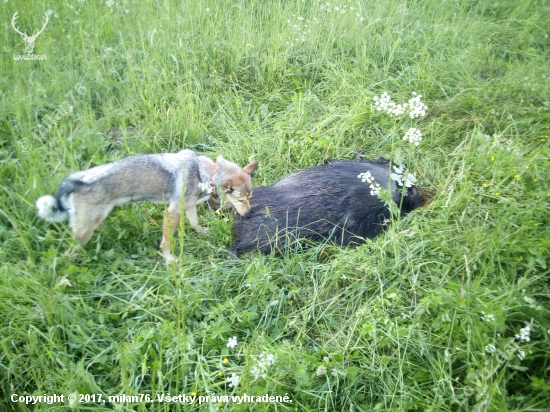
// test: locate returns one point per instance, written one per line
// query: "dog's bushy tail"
(50, 210)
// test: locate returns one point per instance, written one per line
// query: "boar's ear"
(249, 168)
(226, 186)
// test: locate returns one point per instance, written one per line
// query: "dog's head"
(236, 183)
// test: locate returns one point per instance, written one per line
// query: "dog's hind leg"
(171, 220)
(84, 220)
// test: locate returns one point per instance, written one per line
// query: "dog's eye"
(245, 198)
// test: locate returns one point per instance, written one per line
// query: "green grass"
(400, 323)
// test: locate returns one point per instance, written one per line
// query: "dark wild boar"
(322, 202)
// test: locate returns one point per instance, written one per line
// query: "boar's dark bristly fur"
(323, 202)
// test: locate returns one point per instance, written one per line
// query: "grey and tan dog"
(85, 198)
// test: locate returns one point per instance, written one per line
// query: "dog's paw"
(170, 259)
(202, 230)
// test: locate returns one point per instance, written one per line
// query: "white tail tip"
(48, 209)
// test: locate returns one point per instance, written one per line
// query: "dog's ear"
(226, 185)
(249, 168)
(220, 159)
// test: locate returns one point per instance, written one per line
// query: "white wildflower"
(396, 109)
(416, 107)
(232, 342)
(269, 359)
(64, 282)
(264, 361)
(326, 359)
(384, 103)
(49, 12)
(489, 317)
(490, 348)
(110, 3)
(524, 334)
(413, 135)
(321, 370)
(366, 177)
(256, 372)
(233, 380)
(381, 102)
(334, 372)
(375, 189)
(521, 355)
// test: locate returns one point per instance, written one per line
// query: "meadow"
(447, 310)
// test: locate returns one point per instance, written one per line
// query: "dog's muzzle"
(243, 208)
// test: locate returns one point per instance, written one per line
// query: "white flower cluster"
(232, 342)
(490, 348)
(321, 370)
(365, 177)
(340, 9)
(384, 103)
(64, 282)
(524, 334)
(233, 380)
(265, 360)
(375, 189)
(416, 108)
(497, 141)
(337, 9)
(489, 317)
(413, 135)
(374, 186)
(300, 29)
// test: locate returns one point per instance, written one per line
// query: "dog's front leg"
(171, 220)
(191, 213)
